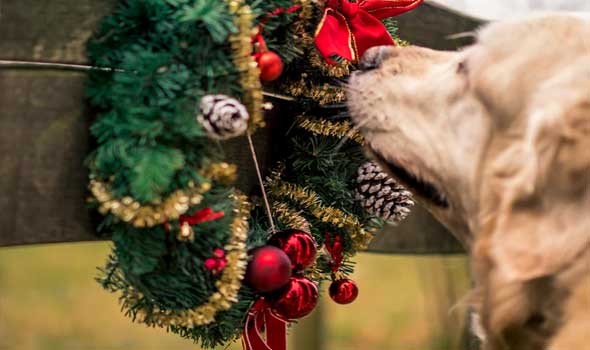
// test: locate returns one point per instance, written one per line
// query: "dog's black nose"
(373, 57)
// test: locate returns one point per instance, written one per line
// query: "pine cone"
(222, 116)
(381, 195)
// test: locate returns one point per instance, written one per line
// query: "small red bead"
(211, 264)
(219, 253)
(343, 291)
(221, 264)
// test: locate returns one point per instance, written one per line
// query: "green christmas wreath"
(175, 76)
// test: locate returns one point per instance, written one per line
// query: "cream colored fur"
(502, 129)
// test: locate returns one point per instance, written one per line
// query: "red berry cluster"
(217, 262)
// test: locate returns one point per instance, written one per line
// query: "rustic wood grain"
(44, 125)
(43, 141)
(434, 25)
(50, 31)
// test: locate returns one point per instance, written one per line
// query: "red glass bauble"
(343, 291)
(268, 270)
(299, 246)
(271, 66)
(296, 299)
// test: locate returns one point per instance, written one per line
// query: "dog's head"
(495, 141)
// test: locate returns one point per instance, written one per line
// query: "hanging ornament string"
(261, 182)
(85, 68)
(260, 317)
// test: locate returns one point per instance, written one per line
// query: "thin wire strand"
(261, 183)
(50, 65)
(85, 68)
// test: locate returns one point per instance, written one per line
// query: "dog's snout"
(374, 56)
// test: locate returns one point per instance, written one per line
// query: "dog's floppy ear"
(542, 185)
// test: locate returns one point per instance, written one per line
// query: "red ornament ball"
(299, 246)
(271, 66)
(296, 299)
(343, 291)
(268, 270)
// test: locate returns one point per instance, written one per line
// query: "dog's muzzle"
(374, 56)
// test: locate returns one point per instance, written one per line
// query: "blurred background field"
(49, 301)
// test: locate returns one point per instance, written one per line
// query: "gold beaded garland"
(160, 211)
(148, 215)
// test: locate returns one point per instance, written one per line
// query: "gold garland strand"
(223, 172)
(148, 215)
(290, 217)
(159, 211)
(308, 199)
(241, 44)
(324, 94)
(228, 284)
(328, 128)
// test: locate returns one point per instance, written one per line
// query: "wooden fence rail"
(44, 124)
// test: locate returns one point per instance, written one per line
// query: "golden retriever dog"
(495, 141)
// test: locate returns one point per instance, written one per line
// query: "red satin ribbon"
(348, 29)
(203, 215)
(261, 318)
(335, 247)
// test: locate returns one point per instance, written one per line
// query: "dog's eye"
(462, 67)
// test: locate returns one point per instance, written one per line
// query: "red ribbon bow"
(348, 29)
(260, 317)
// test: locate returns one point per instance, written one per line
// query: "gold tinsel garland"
(309, 200)
(148, 215)
(342, 129)
(223, 172)
(228, 284)
(324, 93)
(289, 217)
(241, 43)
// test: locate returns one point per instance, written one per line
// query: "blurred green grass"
(49, 301)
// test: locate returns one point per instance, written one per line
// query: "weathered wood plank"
(44, 125)
(50, 31)
(433, 25)
(43, 141)
(419, 233)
